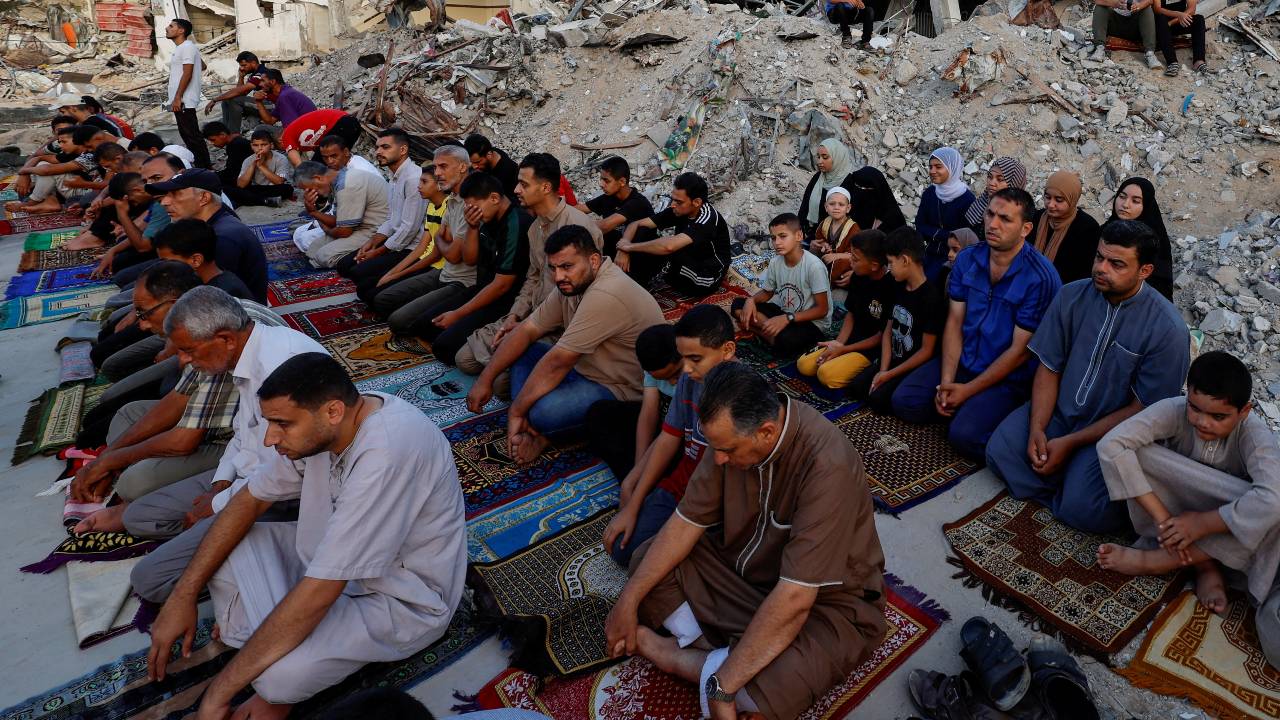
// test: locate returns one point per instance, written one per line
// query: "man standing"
(185, 67)
(602, 312)
(786, 596)
(696, 257)
(1108, 347)
(372, 571)
(999, 291)
(359, 207)
(397, 235)
(538, 178)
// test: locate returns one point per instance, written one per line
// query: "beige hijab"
(1049, 234)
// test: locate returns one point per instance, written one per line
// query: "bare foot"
(259, 709)
(110, 519)
(666, 653)
(84, 241)
(1211, 590)
(216, 633)
(529, 447)
(1132, 561)
(13, 206)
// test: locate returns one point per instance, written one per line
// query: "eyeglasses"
(144, 314)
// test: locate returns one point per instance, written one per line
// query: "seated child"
(831, 239)
(704, 337)
(125, 192)
(857, 346)
(958, 240)
(620, 432)
(263, 178)
(911, 333)
(792, 311)
(1201, 475)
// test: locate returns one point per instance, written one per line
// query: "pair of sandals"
(1003, 684)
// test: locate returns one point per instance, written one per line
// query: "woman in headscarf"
(874, 204)
(1004, 172)
(943, 206)
(1064, 234)
(835, 165)
(1136, 200)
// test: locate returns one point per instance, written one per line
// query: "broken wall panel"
(283, 30)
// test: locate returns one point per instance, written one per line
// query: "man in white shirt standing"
(185, 67)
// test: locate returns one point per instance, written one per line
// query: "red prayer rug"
(35, 223)
(321, 285)
(333, 320)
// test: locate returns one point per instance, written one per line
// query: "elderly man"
(601, 312)
(1108, 347)
(786, 597)
(358, 208)
(695, 258)
(372, 571)
(213, 332)
(539, 176)
(195, 194)
(398, 234)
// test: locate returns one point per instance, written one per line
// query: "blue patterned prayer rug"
(55, 306)
(45, 281)
(436, 389)
(520, 523)
(274, 232)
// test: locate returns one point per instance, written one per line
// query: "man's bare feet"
(13, 206)
(528, 447)
(109, 519)
(84, 241)
(666, 653)
(259, 709)
(1132, 561)
(48, 205)
(1211, 589)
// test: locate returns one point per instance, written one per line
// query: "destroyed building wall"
(283, 30)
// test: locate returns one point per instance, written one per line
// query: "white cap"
(66, 99)
(187, 157)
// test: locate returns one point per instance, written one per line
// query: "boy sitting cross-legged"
(792, 311)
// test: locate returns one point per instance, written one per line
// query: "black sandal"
(1001, 670)
(949, 697)
(1059, 683)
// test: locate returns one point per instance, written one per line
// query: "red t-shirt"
(305, 133)
(566, 192)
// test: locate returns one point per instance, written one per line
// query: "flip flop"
(1001, 670)
(1059, 683)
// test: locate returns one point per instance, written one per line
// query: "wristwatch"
(791, 317)
(715, 693)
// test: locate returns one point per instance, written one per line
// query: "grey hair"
(307, 171)
(742, 392)
(457, 152)
(204, 312)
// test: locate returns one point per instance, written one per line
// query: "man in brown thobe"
(770, 574)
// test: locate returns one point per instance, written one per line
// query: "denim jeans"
(565, 407)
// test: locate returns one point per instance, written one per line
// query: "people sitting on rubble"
(1136, 200)
(650, 492)
(618, 204)
(375, 564)
(76, 106)
(694, 259)
(424, 257)
(835, 169)
(619, 432)
(943, 206)
(288, 102)
(125, 131)
(856, 347)
(763, 621)
(1108, 347)
(874, 204)
(1004, 172)
(357, 210)
(999, 291)
(792, 311)
(262, 178)
(1132, 20)
(501, 232)
(238, 99)
(831, 239)
(600, 312)
(1176, 18)
(485, 158)
(1198, 474)
(1064, 234)
(847, 12)
(400, 231)
(237, 147)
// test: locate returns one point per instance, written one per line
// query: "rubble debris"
(973, 68)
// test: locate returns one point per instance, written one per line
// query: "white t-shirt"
(186, 54)
(793, 288)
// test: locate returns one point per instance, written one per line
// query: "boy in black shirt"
(618, 205)
(486, 158)
(914, 323)
(236, 146)
(194, 243)
(695, 258)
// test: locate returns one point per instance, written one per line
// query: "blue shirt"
(157, 220)
(1106, 354)
(1019, 300)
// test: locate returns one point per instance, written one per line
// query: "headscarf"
(841, 167)
(966, 237)
(1014, 174)
(954, 187)
(873, 200)
(1150, 216)
(1047, 242)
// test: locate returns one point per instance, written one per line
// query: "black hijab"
(1162, 278)
(873, 200)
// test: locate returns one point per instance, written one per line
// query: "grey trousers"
(404, 302)
(1141, 24)
(130, 360)
(234, 110)
(147, 476)
(149, 374)
(43, 186)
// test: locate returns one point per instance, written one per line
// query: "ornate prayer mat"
(674, 305)
(282, 250)
(324, 322)
(490, 478)
(19, 312)
(325, 284)
(1213, 661)
(746, 269)
(1125, 44)
(45, 221)
(45, 281)
(436, 389)
(635, 688)
(1034, 563)
(517, 524)
(92, 547)
(54, 418)
(906, 463)
(48, 240)
(275, 232)
(55, 259)
(367, 353)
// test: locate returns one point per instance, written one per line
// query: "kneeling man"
(371, 572)
(784, 598)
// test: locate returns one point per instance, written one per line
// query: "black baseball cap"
(189, 178)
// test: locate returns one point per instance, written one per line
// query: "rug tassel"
(27, 435)
(917, 597)
(146, 615)
(883, 508)
(466, 703)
